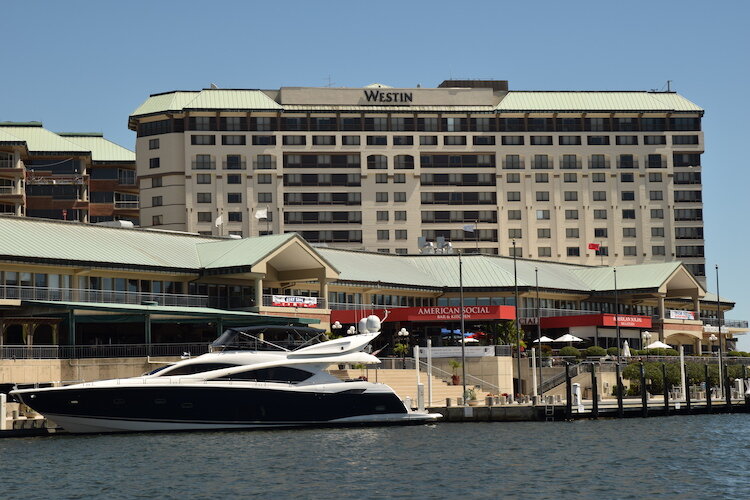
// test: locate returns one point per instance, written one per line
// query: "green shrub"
(570, 351)
(613, 351)
(671, 352)
(546, 351)
(595, 350)
(734, 354)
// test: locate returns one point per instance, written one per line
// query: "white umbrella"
(468, 340)
(568, 338)
(658, 345)
(625, 349)
(543, 339)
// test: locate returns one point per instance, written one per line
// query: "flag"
(261, 213)
(219, 221)
(469, 228)
(594, 246)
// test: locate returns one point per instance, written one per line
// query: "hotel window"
(512, 162)
(626, 161)
(513, 196)
(542, 196)
(630, 251)
(598, 161)
(626, 124)
(544, 251)
(157, 181)
(626, 140)
(203, 197)
(684, 123)
(512, 124)
(599, 196)
(686, 159)
(399, 178)
(597, 124)
(515, 251)
(600, 232)
(201, 123)
(402, 251)
(628, 196)
(265, 197)
(402, 162)
(428, 140)
(324, 140)
(628, 214)
(232, 123)
(688, 196)
(294, 140)
(655, 177)
(263, 124)
(572, 232)
(264, 178)
(628, 232)
(657, 213)
(571, 214)
(571, 195)
(401, 234)
(153, 163)
(541, 161)
(381, 215)
(153, 144)
(540, 125)
(570, 162)
(654, 139)
(384, 250)
(653, 124)
(377, 140)
(655, 195)
(598, 140)
(156, 201)
(377, 162)
(267, 162)
(403, 140)
(655, 161)
(202, 140)
(513, 178)
(383, 235)
(399, 196)
(233, 179)
(658, 250)
(454, 140)
(323, 123)
(350, 140)
(399, 215)
(381, 178)
(234, 162)
(233, 140)
(204, 216)
(512, 140)
(264, 140)
(570, 140)
(541, 140)
(234, 197)
(484, 140)
(427, 124)
(235, 216)
(381, 197)
(573, 251)
(541, 178)
(515, 234)
(514, 215)
(657, 232)
(157, 220)
(570, 177)
(600, 214)
(454, 124)
(203, 162)
(542, 215)
(627, 178)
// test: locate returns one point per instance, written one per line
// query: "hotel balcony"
(47, 179)
(13, 292)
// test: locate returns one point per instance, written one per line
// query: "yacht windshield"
(193, 368)
(267, 337)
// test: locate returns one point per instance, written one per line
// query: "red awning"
(428, 313)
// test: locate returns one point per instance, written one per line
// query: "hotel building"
(69, 176)
(490, 170)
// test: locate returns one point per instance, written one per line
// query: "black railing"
(101, 351)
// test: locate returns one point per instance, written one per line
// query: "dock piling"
(594, 391)
(644, 394)
(708, 390)
(666, 388)
(620, 408)
(568, 393)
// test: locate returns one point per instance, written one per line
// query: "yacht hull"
(173, 407)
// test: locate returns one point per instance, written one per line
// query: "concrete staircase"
(404, 383)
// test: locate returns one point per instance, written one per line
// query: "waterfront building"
(69, 176)
(111, 290)
(545, 174)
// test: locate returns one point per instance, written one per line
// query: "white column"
(416, 363)
(533, 370)
(429, 370)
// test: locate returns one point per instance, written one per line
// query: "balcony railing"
(104, 296)
(730, 323)
(545, 312)
(8, 190)
(132, 205)
(100, 351)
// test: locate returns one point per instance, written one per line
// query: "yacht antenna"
(263, 341)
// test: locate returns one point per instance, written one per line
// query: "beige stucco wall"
(29, 371)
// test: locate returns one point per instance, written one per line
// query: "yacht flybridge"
(234, 387)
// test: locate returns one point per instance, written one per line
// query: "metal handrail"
(106, 296)
(477, 381)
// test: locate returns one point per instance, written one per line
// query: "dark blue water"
(672, 457)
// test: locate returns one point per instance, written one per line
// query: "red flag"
(593, 246)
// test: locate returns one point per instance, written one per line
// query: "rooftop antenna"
(214, 86)
(669, 85)
(330, 82)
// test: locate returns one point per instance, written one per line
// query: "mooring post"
(727, 389)
(644, 396)
(687, 398)
(666, 387)
(708, 390)
(620, 409)
(594, 391)
(568, 393)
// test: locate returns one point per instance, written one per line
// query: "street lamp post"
(713, 338)
(646, 337)
(403, 336)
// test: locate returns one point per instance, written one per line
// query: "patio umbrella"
(469, 340)
(625, 349)
(568, 338)
(658, 345)
(543, 339)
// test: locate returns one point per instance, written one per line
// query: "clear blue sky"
(86, 65)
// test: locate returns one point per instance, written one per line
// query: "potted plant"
(470, 396)
(455, 379)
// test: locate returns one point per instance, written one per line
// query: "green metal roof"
(208, 312)
(389, 109)
(40, 140)
(578, 101)
(378, 267)
(240, 252)
(6, 138)
(102, 150)
(206, 99)
(628, 277)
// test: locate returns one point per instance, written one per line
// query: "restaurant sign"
(429, 313)
(293, 301)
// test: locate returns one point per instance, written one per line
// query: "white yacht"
(232, 388)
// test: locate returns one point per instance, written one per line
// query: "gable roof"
(578, 101)
(102, 150)
(40, 140)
